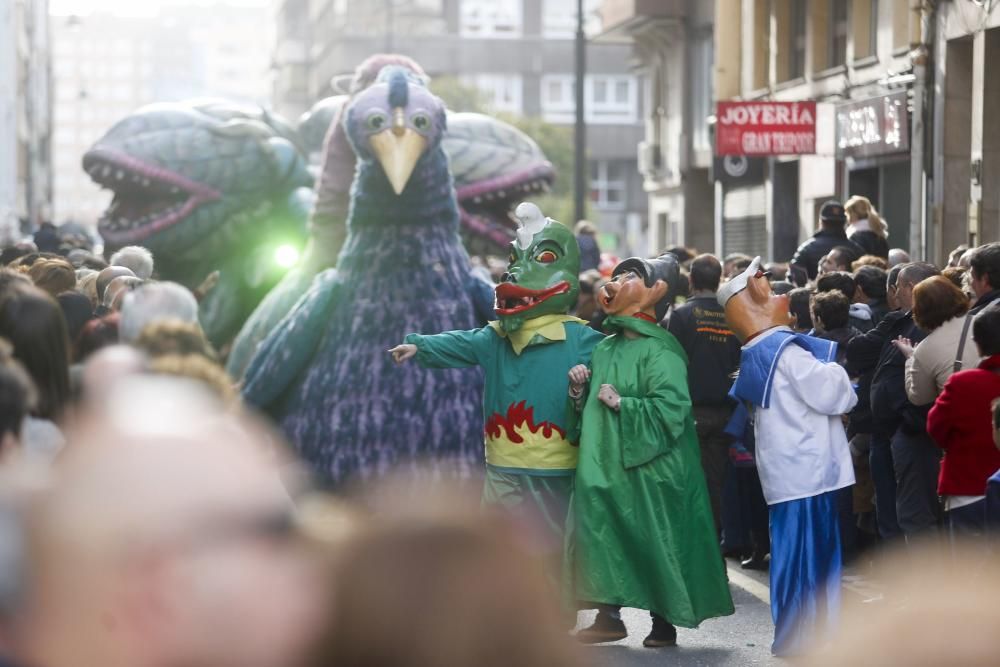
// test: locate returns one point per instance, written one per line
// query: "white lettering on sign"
(767, 114)
(873, 127)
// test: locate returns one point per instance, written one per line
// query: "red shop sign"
(765, 128)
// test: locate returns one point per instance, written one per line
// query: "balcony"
(620, 18)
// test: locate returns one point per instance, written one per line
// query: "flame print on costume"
(519, 419)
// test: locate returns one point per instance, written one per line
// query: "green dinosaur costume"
(526, 356)
(642, 527)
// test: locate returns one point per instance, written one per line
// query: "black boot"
(662, 634)
(605, 628)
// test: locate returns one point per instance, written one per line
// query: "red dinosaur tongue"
(513, 299)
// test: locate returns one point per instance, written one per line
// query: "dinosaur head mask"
(543, 276)
(751, 306)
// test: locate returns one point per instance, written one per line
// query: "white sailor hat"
(738, 283)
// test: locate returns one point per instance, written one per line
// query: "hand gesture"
(578, 376)
(609, 396)
(904, 345)
(401, 353)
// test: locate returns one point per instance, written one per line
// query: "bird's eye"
(376, 121)
(421, 121)
(546, 257)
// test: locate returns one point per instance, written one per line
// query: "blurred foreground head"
(939, 607)
(421, 584)
(165, 539)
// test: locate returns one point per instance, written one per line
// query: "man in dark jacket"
(871, 290)
(984, 263)
(713, 356)
(805, 262)
(904, 460)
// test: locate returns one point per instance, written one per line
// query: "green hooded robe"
(642, 533)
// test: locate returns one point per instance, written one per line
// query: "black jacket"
(713, 351)
(880, 308)
(871, 243)
(985, 300)
(890, 408)
(807, 257)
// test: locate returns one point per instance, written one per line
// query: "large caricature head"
(543, 276)
(639, 285)
(751, 306)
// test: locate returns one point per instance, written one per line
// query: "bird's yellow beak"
(398, 148)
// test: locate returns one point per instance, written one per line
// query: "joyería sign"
(765, 128)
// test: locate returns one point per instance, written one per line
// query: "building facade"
(25, 115)
(106, 66)
(672, 43)
(863, 61)
(518, 53)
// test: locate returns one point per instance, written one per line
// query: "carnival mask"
(641, 286)
(543, 275)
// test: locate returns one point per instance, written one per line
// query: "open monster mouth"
(513, 299)
(148, 198)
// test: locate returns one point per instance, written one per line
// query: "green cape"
(642, 533)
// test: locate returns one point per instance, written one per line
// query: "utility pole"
(579, 135)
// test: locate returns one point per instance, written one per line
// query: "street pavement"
(743, 638)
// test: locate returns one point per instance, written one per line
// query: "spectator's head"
(119, 287)
(871, 282)
(452, 615)
(986, 330)
(832, 215)
(955, 256)
(778, 271)
(174, 337)
(33, 323)
(985, 264)
(17, 399)
(53, 276)
(860, 208)
(171, 519)
(798, 307)
(898, 256)
(782, 287)
(83, 259)
(136, 258)
(829, 310)
(86, 284)
(77, 311)
(892, 286)
(156, 302)
(201, 369)
(956, 274)
(910, 276)
(870, 260)
(706, 273)
(585, 227)
(735, 264)
(98, 333)
(839, 259)
(11, 280)
(937, 300)
(586, 302)
(13, 252)
(105, 277)
(840, 281)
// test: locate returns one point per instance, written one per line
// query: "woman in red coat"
(961, 423)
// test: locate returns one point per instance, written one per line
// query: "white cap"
(530, 221)
(738, 283)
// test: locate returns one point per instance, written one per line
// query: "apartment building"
(518, 53)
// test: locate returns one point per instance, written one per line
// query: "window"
(608, 99)
(607, 184)
(864, 18)
(491, 18)
(701, 92)
(503, 91)
(901, 30)
(797, 41)
(558, 99)
(559, 18)
(761, 50)
(838, 33)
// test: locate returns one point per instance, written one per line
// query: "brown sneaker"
(606, 628)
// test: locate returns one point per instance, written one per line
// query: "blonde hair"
(859, 207)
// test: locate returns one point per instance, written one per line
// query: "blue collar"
(759, 360)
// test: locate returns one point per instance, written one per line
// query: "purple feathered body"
(352, 412)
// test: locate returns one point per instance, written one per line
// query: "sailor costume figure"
(798, 394)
